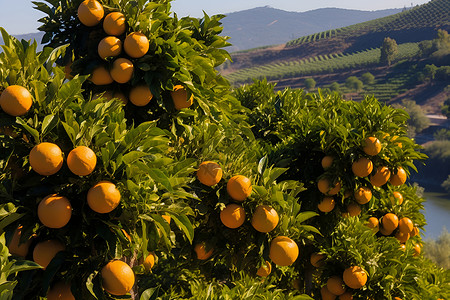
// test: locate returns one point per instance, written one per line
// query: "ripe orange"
(381, 177)
(232, 216)
(414, 232)
(17, 248)
(402, 237)
(117, 278)
(44, 252)
(384, 231)
(81, 161)
(167, 218)
(327, 161)
(136, 45)
(326, 294)
(209, 173)
(389, 221)
(101, 76)
(326, 187)
(354, 209)
(15, 100)
(109, 46)
(405, 225)
(317, 259)
(114, 23)
(397, 298)
(373, 223)
(90, 12)
(239, 187)
(121, 96)
(46, 159)
(346, 296)
(355, 277)
(265, 269)
(397, 198)
(60, 291)
(336, 285)
(362, 167)
(265, 218)
(327, 204)
(403, 247)
(200, 250)
(180, 97)
(372, 146)
(363, 195)
(103, 197)
(149, 261)
(417, 250)
(283, 251)
(122, 70)
(54, 211)
(140, 95)
(398, 178)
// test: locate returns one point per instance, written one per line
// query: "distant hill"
(37, 36)
(264, 26)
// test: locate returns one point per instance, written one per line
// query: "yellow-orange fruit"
(121, 96)
(109, 46)
(122, 70)
(101, 76)
(327, 204)
(140, 95)
(17, 248)
(15, 100)
(414, 232)
(209, 173)
(327, 161)
(373, 223)
(363, 195)
(398, 178)
(103, 197)
(54, 211)
(381, 177)
(232, 216)
(265, 269)
(117, 278)
(90, 12)
(336, 285)
(403, 247)
(355, 277)
(60, 291)
(326, 294)
(372, 146)
(200, 251)
(136, 45)
(283, 251)
(44, 252)
(180, 97)
(417, 249)
(326, 187)
(362, 167)
(346, 296)
(114, 23)
(402, 237)
(389, 221)
(149, 261)
(353, 209)
(397, 198)
(265, 218)
(317, 259)
(405, 225)
(81, 161)
(46, 158)
(385, 232)
(239, 187)
(167, 218)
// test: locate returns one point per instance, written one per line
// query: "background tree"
(368, 78)
(353, 83)
(389, 50)
(418, 120)
(335, 86)
(310, 84)
(446, 108)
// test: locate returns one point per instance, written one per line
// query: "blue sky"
(18, 16)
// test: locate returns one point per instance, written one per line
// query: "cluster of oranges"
(121, 50)
(353, 277)
(283, 250)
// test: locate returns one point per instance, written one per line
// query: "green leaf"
(150, 294)
(303, 216)
(159, 177)
(49, 122)
(32, 131)
(22, 265)
(182, 222)
(133, 156)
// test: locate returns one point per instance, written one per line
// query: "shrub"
(310, 84)
(368, 78)
(354, 83)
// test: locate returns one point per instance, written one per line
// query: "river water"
(437, 214)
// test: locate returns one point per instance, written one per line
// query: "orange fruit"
(46, 158)
(140, 95)
(54, 211)
(44, 252)
(114, 23)
(121, 96)
(414, 232)
(336, 285)
(372, 146)
(327, 204)
(346, 296)
(15, 100)
(136, 45)
(355, 277)
(68, 71)
(60, 291)
(326, 294)
(149, 261)
(353, 209)
(265, 218)
(81, 161)
(327, 161)
(232, 216)
(265, 269)
(362, 167)
(180, 97)
(398, 178)
(200, 250)
(397, 198)
(167, 218)
(373, 223)
(109, 46)
(209, 173)
(405, 225)
(317, 259)
(417, 249)
(384, 231)
(403, 247)
(325, 187)
(363, 195)
(122, 70)
(103, 197)
(402, 237)
(381, 177)
(101, 76)
(90, 12)
(117, 278)
(389, 222)
(239, 187)
(397, 298)
(16, 247)
(283, 251)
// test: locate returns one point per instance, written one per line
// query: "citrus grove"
(132, 170)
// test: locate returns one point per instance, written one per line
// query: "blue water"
(437, 214)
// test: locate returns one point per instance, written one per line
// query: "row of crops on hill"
(319, 64)
(434, 13)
